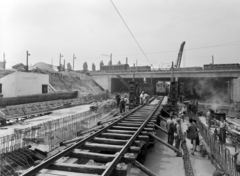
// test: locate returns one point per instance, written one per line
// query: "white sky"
(89, 28)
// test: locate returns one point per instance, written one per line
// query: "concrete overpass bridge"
(228, 80)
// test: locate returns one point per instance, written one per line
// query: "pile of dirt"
(69, 80)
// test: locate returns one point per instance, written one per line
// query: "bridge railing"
(198, 69)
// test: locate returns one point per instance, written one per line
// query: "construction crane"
(179, 58)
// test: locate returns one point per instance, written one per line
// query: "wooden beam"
(137, 120)
(49, 172)
(125, 128)
(134, 122)
(109, 141)
(77, 153)
(114, 141)
(116, 136)
(160, 128)
(163, 118)
(134, 125)
(124, 136)
(166, 144)
(77, 168)
(143, 168)
(131, 128)
(107, 147)
(120, 131)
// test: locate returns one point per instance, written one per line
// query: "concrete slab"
(201, 165)
(161, 160)
(56, 114)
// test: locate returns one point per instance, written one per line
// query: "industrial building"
(23, 83)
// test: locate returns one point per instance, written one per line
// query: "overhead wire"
(131, 32)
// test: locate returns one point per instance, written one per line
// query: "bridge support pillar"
(234, 88)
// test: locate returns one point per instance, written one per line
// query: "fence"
(219, 151)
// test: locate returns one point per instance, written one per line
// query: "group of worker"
(174, 131)
(121, 102)
(193, 106)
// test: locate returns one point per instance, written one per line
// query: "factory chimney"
(126, 60)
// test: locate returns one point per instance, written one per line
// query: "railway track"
(107, 151)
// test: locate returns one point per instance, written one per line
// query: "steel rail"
(110, 168)
(55, 157)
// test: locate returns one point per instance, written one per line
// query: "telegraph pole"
(172, 78)
(111, 58)
(73, 61)
(60, 62)
(27, 61)
(133, 71)
(4, 61)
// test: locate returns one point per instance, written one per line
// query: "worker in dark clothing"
(118, 100)
(122, 105)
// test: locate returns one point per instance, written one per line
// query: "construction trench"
(107, 145)
(119, 142)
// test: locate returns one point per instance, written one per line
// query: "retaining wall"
(37, 98)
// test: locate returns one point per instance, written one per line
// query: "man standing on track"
(141, 98)
(170, 130)
(122, 105)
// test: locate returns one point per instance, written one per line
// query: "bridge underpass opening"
(117, 86)
(207, 88)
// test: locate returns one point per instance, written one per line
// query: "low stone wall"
(37, 98)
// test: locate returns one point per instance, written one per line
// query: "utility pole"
(136, 66)
(73, 61)
(172, 78)
(27, 61)
(133, 71)
(151, 74)
(60, 67)
(111, 59)
(4, 61)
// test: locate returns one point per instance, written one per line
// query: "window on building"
(0, 88)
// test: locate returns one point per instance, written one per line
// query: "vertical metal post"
(133, 71)
(4, 61)
(172, 78)
(73, 61)
(111, 59)
(60, 66)
(27, 61)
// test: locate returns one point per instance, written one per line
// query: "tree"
(119, 62)
(85, 66)
(69, 67)
(101, 64)
(93, 67)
